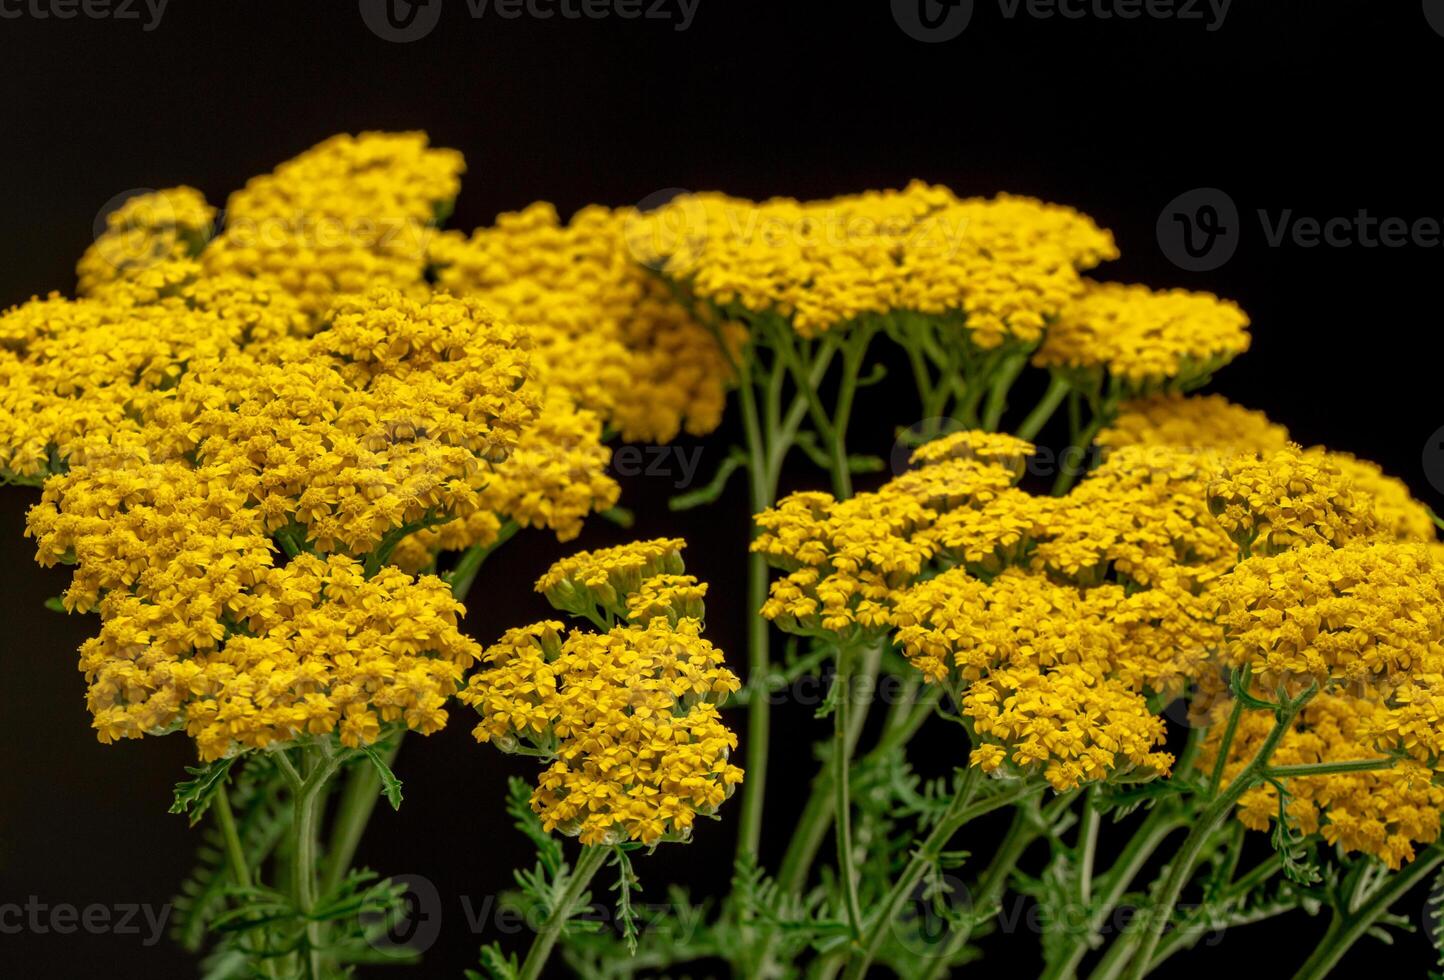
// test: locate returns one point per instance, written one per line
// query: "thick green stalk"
(588, 864)
(1348, 927)
(816, 819)
(924, 856)
(1043, 411)
(308, 803)
(759, 660)
(1113, 885)
(842, 789)
(1180, 869)
(235, 853)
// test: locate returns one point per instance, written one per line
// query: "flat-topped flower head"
(998, 448)
(601, 581)
(957, 628)
(351, 213)
(308, 649)
(145, 230)
(999, 269)
(1141, 516)
(628, 717)
(1070, 722)
(1385, 813)
(608, 332)
(1145, 340)
(1287, 498)
(1207, 424)
(1360, 612)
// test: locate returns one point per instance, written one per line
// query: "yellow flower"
(1145, 340)
(628, 717)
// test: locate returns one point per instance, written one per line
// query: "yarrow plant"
(275, 450)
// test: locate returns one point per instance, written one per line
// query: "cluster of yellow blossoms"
(349, 214)
(1383, 812)
(1007, 265)
(607, 331)
(1053, 620)
(1340, 587)
(628, 718)
(1145, 340)
(294, 389)
(309, 648)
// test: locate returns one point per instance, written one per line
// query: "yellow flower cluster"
(607, 331)
(1208, 424)
(1072, 721)
(555, 476)
(1395, 509)
(1141, 516)
(1145, 340)
(78, 373)
(1380, 812)
(1005, 266)
(628, 717)
(351, 213)
(598, 583)
(1289, 497)
(145, 230)
(311, 648)
(1360, 612)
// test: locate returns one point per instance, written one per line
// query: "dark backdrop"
(1319, 108)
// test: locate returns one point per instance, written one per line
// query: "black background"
(1323, 108)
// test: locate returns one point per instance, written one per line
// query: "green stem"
(759, 660)
(1348, 927)
(922, 858)
(1329, 768)
(842, 790)
(235, 853)
(1021, 833)
(358, 802)
(1180, 869)
(308, 806)
(588, 864)
(1225, 745)
(1002, 383)
(1043, 411)
(816, 819)
(1113, 885)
